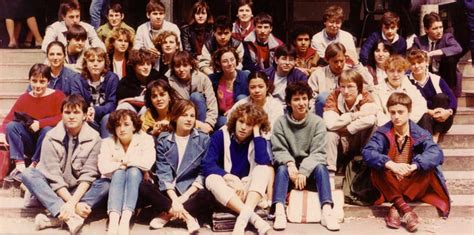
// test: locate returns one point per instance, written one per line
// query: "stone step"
(468, 83)
(458, 160)
(466, 99)
(14, 70)
(460, 182)
(466, 68)
(459, 136)
(464, 115)
(7, 100)
(13, 85)
(30, 56)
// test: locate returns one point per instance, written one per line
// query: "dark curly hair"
(253, 115)
(297, 88)
(120, 114)
(167, 88)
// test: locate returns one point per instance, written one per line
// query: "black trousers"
(430, 124)
(448, 72)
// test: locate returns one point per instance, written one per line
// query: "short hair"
(216, 57)
(74, 101)
(115, 35)
(263, 18)
(160, 39)
(386, 46)
(139, 57)
(297, 88)
(119, 115)
(390, 18)
(116, 7)
(244, 2)
(40, 70)
(417, 55)
(91, 52)
(333, 50)
(155, 5)
(285, 50)
(430, 18)
(352, 75)
(67, 6)
(179, 108)
(182, 58)
(198, 7)
(396, 62)
(149, 92)
(333, 11)
(254, 115)
(300, 30)
(56, 43)
(264, 77)
(77, 32)
(222, 22)
(399, 98)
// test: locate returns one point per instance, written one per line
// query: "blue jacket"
(167, 161)
(240, 83)
(66, 81)
(366, 51)
(295, 75)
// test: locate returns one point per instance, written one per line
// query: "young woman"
(380, 53)
(123, 157)
(243, 26)
(198, 30)
(180, 192)
(42, 106)
(118, 45)
(99, 86)
(237, 165)
(191, 84)
(230, 84)
(167, 43)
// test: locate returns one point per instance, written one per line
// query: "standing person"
(306, 56)
(299, 154)
(376, 66)
(96, 10)
(66, 180)
(405, 165)
(122, 158)
(115, 15)
(15, 12)
(119, 44)
(31, 117)
(180, 190)
(198, 30)
(237, 165)
(243, 26)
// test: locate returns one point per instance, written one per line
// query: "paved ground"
(457, 226)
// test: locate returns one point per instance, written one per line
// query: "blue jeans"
(320, 102)
(36, 182)
(201, 106)
(96, 10)
(23, 142)
(101, 126)
(320, 179)
(123, 192)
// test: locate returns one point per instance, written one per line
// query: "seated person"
(115, 15)
(349, 114)
(198, 30)
(193, 85)
(332, 33)
(222, 37)
(119, 44)
(299, 154)
(379, 54)
(260, 45)
(66, 180)
(443, 51)
(405, 165)
(306, 56)
(243, 25)
(389, 25)
(69, 15)
(25, 137)
(283, 72)
(442, 103)
(76, 37)
(237, 165)
(230, 84)
(179, 191)
(167, 43)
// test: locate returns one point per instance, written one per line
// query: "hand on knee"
(83, 210)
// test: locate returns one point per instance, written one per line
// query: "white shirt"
(181, 142)
(118, 68)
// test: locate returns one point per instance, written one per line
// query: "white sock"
(20, 166)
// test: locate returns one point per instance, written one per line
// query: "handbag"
(357, 184)
(304, 207)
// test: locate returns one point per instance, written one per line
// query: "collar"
(427, 78)
(395, 39)
(101, 80)
(405, 134)
(342, 106)
(326, 36)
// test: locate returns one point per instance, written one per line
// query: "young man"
(332, 17)
(306, 56)
(76, 37)
(443, 51)
(283, 71)
(70, 14)
(115, 17)
(222, 37)
(66, 179)
(299, 153)
(405, 165)
(349, 114)
(259, 46)
(389, 25)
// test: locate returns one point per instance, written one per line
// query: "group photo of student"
(221, 115)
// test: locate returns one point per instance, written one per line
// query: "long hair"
(154, 85)
(101, 54)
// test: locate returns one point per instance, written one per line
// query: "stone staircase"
(458, 144)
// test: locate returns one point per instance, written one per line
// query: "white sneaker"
(74, 223)
(280, 222)
(241, 222)
(158, 223)
(261, 225)
(192, 225)
(43, 221)
(330, 221)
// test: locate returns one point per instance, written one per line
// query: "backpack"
(357, 184)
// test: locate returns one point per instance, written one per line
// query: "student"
(69, 15)
(115, 17)
(119, 43)
(222, 38)
(443, 49)
(243, 26)
(299, 154)
(42, 105)
(167, 44)
(180, 190)
(306, 56)
(260, 45)
(405, 165)
(380, 53)
(123, 156)
(389, 25)
(193, 85)
(442, 103)
(349, 115)
(76, 37)
(198, 30)
(237, 165)
(332, 33)
(66, 180)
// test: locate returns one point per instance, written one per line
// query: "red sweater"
(46, 109)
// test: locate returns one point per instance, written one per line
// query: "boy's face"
(72, 17)
(399, 115)
(114, 18)
(332, 26)
(302, 42)
(299, 104)
(349, 91)
(222, 36)
(75, 46)
(73, 118)
(435, 32)
(336, 63)
(263, 31)
(156, 19)
(244, 13)
(285, 64)
(395, 77)
(390, 31)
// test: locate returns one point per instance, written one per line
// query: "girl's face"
(160, 98)
(228, 62)
(257, 89)
(185, 123)
(381, 54)
(39, 84)
(183, 72)
(201, 16)
(95, 65)
(419, 68)
(143, 70)
(56, 56)
(244, 13)
(395, 77)
(170, 45)
(243, 129)
(121, 44)
(124, 130)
